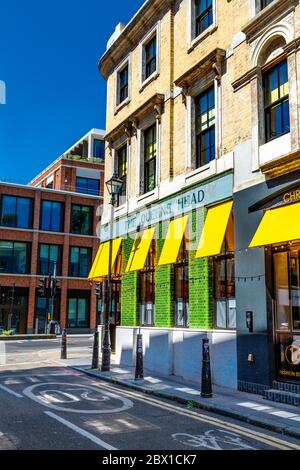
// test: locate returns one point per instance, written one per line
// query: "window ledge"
(120, 209)
(150, 79)
(202, 170)
(274, 149)
(150, 195)
(194, 43)
(121, 105)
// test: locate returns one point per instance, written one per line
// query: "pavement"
(246, 407)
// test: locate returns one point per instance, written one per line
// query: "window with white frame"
(276, 101)
(205, 127)
(148, 167)
(202, 16)
(121, 168)
(150, 59)
(123, 84)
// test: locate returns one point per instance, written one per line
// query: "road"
(47, 406)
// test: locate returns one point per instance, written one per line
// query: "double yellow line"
(271, 441)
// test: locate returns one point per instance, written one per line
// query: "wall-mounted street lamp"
(114, 186)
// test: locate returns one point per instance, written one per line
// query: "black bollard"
(95, 360)
(139, 368)
(206, 388)
(63, 354)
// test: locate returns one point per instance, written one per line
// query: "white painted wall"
(178, 352)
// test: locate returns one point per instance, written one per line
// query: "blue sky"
(49, 53)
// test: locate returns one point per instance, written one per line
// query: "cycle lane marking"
(80, 431)
(250, 434)
(48, 400)
(211, 440)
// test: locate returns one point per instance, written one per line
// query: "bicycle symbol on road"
(213, 439)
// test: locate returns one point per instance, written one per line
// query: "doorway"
(13, 314)
(286, 276)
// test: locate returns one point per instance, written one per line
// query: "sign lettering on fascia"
(202, 195)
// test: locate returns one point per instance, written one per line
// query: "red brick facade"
(66, 239)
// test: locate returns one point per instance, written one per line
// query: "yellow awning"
(214, 230)
(173, 241)
(100, 265)
(140, 250)
(278, 225)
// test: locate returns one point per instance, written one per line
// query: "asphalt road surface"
(46, 406)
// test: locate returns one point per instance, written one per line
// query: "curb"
(26, 337)
(285, 430)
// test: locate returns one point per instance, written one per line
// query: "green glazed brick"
(200, 280)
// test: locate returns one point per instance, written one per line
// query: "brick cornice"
(132, 34)
(211, 61)
(267, 16)
(129, 125)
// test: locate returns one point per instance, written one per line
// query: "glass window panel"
(44, 259)
(285, 116)
(93, 187)
(81, 314)
(81, 185)
(46, 215)
(230, 285)
(84, 262)
(232, 314)
(72, 311)
(9, 216)
(81, 220)
(283, 79)
(272, 86)
(220, 279)
(221, 314)
(56, 217)
(99, 149)
(20, 258)
(23, 212)
(74, 255)
(6, 257)
(295, 288)
(281, 275)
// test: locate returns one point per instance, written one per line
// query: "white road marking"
(11, 364)
(28, 392)
(8, 390)
(81, 431)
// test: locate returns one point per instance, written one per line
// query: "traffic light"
(98, 290)
(42, 287)
(54, 283)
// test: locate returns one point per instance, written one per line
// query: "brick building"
(203, 127)
(52, 220)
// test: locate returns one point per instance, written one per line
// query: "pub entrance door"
(286, 273)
